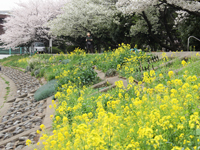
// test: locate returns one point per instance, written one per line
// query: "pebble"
(7, 135)
(38, 119)
(1, 135)
(40, 110)
(19, 147)
(16, 122)
(24, 138)
(19, 113)
(8, 145)
(12, 116)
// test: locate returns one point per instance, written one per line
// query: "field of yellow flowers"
(160, 112)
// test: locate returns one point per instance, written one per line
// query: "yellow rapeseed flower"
(170, 73)
(28, 142)
(42, 126)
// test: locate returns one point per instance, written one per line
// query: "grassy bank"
(160, 112)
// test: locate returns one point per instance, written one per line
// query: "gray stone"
(8, 126)
(19, 113)
(32, 114)
(40, 110)
(7, 148)
(24, 119)
(37, 124)
(27, 123)
(16, 122)
(32, 135)
(2, 125)
(18, 130)
(11, 100)
(13, 115)
(28, 103)
(9, 111)
(1, 135)
(5, 118)
(22, 95)
(9, 145)
(38, 119)
(26, 147)
(20, 143)
(7, 135)
(9, 123)
(24, 138)
(34, 105)
(12, 108)
(19, 147)
(40, 105)
(27, 109)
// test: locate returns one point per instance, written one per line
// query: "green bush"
(85, 74)
(46, 90)
(66, 61)
(70, 49)
(36, 72)
(28, 68)
(56, 50)
(50, 77)
(42, 71)
(32, 73)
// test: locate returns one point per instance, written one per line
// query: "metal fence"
(18, 50)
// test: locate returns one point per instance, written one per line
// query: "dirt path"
(12, 92)
(111, 80)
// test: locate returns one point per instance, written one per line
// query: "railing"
(188, 44)
(19, 50)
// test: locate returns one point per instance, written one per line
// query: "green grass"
(12, 61)
(7, 91)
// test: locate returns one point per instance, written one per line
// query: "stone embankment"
(24, 82)
(25, 115)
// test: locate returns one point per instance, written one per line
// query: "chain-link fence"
(18, 50)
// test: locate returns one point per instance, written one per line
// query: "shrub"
(33, 61)
(36, 72)
(50, 77)
(79, 75)
(56, 50)
(66, 61)
(70, 49)
(32, 73)
(46, 90)
(28, 68)
(42, 71)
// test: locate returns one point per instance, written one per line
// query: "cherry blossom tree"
(158, 18)
(28, 22)
(138, 6)
(81, 16)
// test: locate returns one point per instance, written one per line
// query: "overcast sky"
(9, 4)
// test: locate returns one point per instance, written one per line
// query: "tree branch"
(196, 13)
(153, 35)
